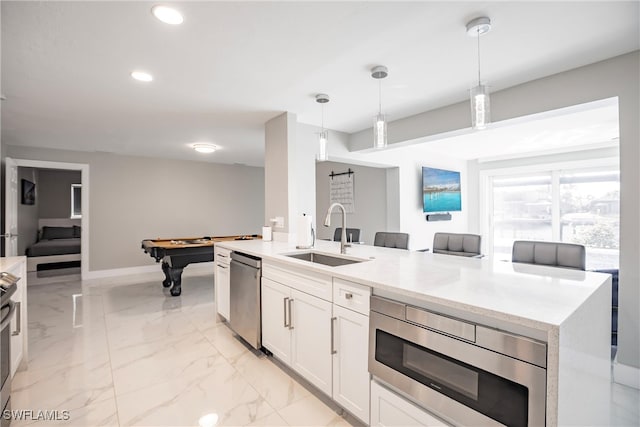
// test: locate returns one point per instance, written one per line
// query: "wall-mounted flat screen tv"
(440, 190)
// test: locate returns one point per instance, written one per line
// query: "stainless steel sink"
(318, 258)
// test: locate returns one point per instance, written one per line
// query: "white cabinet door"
(311, 339)
(223, 290)
(388, 409)
(18, 327)
(350, 361)
(276, 335)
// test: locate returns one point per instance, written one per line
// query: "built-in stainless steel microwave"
(468, 374)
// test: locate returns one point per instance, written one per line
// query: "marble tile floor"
(131, 355)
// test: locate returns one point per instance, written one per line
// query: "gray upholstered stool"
(391, 240)
(353, 234)
(457, 244)
(553, 254)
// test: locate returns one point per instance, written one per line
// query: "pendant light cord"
(379, 96)
(479, 81)
(322, 117)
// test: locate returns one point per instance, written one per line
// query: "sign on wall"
(341, 190)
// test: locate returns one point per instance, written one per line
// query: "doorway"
(29, 184)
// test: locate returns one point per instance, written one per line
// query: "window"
(578, 205)
(76, 200)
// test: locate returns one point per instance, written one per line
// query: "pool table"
(177, 253)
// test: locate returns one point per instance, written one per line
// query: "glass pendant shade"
(379, 72)
(480, 107)
(323, 135)
(379, 131)
(323, 142)
(480, 102)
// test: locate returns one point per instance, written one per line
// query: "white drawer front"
(353, 296)
(310, 282)
(222, 255)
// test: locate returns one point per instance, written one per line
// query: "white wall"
(280, 133)
(306, 151)
(404, 189)
(54, 192)
(393, 198)
(134, 198)
(412, 217)
(370, 200)
(615, 77)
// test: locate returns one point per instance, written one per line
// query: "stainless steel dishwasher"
(246, 272)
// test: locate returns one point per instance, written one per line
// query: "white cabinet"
(350, 361)
(276, 335)
(319, 326)
(18, 327)
(223, 290)
(388, 409)
(296, 329)
(311, 339)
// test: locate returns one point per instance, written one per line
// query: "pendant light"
(480, 102)
(379, 123)
(323, 136)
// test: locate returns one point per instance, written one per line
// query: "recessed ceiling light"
(142, 76)
(204, 147)
(167, 14)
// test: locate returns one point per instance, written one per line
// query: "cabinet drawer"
(388, 409)
(310, 282)
(222, 255)
(353, 296)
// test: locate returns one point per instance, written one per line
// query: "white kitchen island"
(566, 309)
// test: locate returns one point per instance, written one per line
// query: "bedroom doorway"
(47, 217)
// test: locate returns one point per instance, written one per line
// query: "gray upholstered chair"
(353, 234)
(565, 255)
(391, 240)
(457, 244)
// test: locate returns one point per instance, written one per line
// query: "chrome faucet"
(343, 237)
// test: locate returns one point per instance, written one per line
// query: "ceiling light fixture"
(167, 14)
(204, 147)
(323, 136)
(480, 102)
(142, 76)
(379, 72)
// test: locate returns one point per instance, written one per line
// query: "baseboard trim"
(121, 276)
(625, 374)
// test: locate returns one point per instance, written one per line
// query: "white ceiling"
(231, 66)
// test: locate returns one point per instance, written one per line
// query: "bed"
(58, 241)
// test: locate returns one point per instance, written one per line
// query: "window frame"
(553, 169)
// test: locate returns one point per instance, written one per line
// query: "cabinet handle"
(348, 295)
(18, 319)
(285, 311)
(333, 330)
(290, 314)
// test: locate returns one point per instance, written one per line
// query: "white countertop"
(529, 295)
